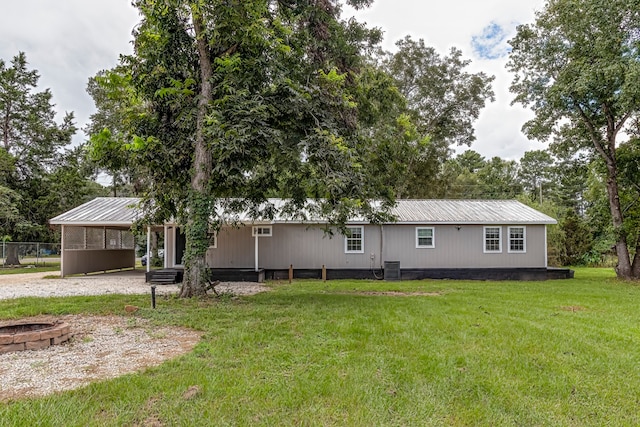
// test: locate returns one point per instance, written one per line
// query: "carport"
(96, 236)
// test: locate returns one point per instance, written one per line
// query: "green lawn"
(563, 353)
(42, 267)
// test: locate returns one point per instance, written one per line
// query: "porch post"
(165, 255)
(546, 255)
(61, 251)
(148, 249)
(256, 256)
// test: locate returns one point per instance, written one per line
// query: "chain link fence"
(29, 253)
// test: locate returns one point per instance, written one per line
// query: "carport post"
(61, 251)
(148, 249)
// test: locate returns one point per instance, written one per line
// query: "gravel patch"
(102, 347)
(125, 282)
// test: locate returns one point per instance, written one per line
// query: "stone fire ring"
(32, 336)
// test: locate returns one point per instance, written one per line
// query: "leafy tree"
(578, 68)
(443, 100)
(29, 132)
(39, 179)
(499, 179)
(242, 100)
(536, 172)
(569, 183)
(117, 108)
(471, 161)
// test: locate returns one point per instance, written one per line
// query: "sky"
(69, 41)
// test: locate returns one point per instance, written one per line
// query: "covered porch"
(97, 237)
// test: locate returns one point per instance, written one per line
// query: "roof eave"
(93, 223)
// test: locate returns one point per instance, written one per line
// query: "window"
(354, 240)
(213, 239)
(425, 237)
(492, 239)
(517, 239)
(262, 231)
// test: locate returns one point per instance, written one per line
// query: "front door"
(180, 246)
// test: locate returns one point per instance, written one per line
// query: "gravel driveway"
(125, 282)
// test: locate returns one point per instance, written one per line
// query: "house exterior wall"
(303, 246)
(307, 247)
(462, 248)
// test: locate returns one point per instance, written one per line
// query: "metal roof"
(114, 211)
(468, 212)
(101, 211)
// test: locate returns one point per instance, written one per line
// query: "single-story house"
(471, 239)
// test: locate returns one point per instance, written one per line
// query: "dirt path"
(25, 277)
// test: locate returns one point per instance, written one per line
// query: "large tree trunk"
(635, 266)
(12, 254)
(623, 269)
(196, 274)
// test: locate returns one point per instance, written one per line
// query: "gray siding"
(308, 247)
(300, 245)
(461, 248)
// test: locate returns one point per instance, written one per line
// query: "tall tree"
(578, 68)
(117, 108)
(444, 100)
(244, 99)
(39, 178)
(536, 173)
(29, 132)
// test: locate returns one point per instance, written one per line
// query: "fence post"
(290, 273)
(324, 273)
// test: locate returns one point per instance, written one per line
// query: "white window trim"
(361, 251)
(255, 228)
(484, 239)
(433, 238)
(215, 240)
(524, 240)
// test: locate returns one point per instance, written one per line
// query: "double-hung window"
(425, 237)
(354, 240)
(517, 239)
(492, 239)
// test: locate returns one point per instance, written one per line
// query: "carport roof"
(101, 211)
(122, 211)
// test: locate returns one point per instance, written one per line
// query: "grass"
(42, 267)
(466, 353)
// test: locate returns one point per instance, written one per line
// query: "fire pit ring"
(32, 335)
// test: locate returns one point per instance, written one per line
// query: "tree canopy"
(40, 176)
(578, 68)
(236, 102)
(443, 101)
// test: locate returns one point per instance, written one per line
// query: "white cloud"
(491, 43)
(67, 42)
(456, 23)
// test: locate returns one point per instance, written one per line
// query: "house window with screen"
(354, 240)
(262, 231)
(425, 237)
(517, 239)
(492, 239)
